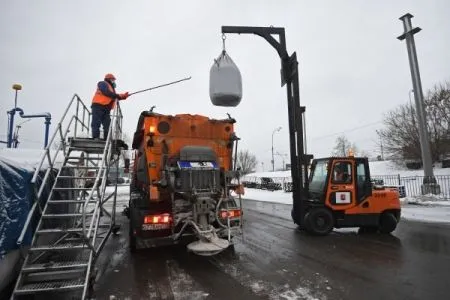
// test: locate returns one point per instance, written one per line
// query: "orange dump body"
(159, 138)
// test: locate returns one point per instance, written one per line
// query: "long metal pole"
(273, 162)
(418, 97)
(159, 86)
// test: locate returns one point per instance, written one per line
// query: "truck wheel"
(388, 223)
(132, 237)
(319, 221)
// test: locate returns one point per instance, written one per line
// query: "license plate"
(147, 227)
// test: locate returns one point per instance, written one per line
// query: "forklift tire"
(388, 223)
(319, 221)
(367, 229)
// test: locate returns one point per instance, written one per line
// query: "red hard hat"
(110, 76)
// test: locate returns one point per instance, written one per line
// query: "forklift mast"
(289, 77)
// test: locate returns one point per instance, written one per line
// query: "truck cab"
(341, 194)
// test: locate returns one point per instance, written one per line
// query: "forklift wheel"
(319, 221)
(367, 229)
(388, 223)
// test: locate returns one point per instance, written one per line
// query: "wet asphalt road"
(273, 260)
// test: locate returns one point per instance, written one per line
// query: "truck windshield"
(318, 177)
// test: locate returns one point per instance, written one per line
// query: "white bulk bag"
(225, 82)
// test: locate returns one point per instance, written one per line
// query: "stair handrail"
(39, 188)
(115, 131)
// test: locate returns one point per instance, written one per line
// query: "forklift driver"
(340, 176)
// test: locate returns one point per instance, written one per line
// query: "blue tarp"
(16, 200)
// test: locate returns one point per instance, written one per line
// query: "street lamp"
(273, 161)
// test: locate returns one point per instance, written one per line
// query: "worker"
(340, 175)
(103, 101)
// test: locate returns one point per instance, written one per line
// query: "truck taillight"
(231, 213)
(158, 219)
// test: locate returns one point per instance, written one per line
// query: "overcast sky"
(352, 67)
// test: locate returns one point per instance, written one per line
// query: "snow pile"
(28, 159)
(17, 167)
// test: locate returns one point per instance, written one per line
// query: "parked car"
(267, 183)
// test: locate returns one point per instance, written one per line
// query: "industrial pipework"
(12, 112)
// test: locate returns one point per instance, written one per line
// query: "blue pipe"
(47, 128)
(47, 116)
(12, 112)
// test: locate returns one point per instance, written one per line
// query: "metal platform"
(67, 239)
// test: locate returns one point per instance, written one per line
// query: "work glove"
(124, 96)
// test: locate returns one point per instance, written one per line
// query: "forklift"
(337, 191)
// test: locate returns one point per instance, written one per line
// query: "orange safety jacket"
(102, 99)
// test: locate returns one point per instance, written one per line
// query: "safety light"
(152, 129)
(232, 213)
(158, 219)
(350, 153)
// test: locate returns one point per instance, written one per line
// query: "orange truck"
(182, 179)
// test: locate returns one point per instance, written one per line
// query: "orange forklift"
(337, 191)
(341, 194)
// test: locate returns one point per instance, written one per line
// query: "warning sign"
(343, 198)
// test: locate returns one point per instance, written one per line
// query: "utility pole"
(381, 144)
(429, 181)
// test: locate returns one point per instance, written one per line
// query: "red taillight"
(232, 213)
(158, 219)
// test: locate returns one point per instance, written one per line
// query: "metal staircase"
(70, 222)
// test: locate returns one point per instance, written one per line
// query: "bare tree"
(400, 137)
(343, 146)
(246, 161)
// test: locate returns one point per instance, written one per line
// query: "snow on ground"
(427, 211)
(427, 208)
(426, 214)
(267, 196)
(377, 168)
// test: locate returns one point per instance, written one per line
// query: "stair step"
(59, 285)
(78, 157)
(69, 201)
(60, 230)
(93, 149)
(64, 246)
(71, 189)
(51, 266)
(67, 230)
(73, 215)
(81, 167)
(76, 177)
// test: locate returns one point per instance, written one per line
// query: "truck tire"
(319, 221)
(388, 223)
(132, 237)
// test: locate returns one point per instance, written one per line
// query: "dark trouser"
(100, 116)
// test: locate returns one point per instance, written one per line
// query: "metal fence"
(412, 185)
(408, 186)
